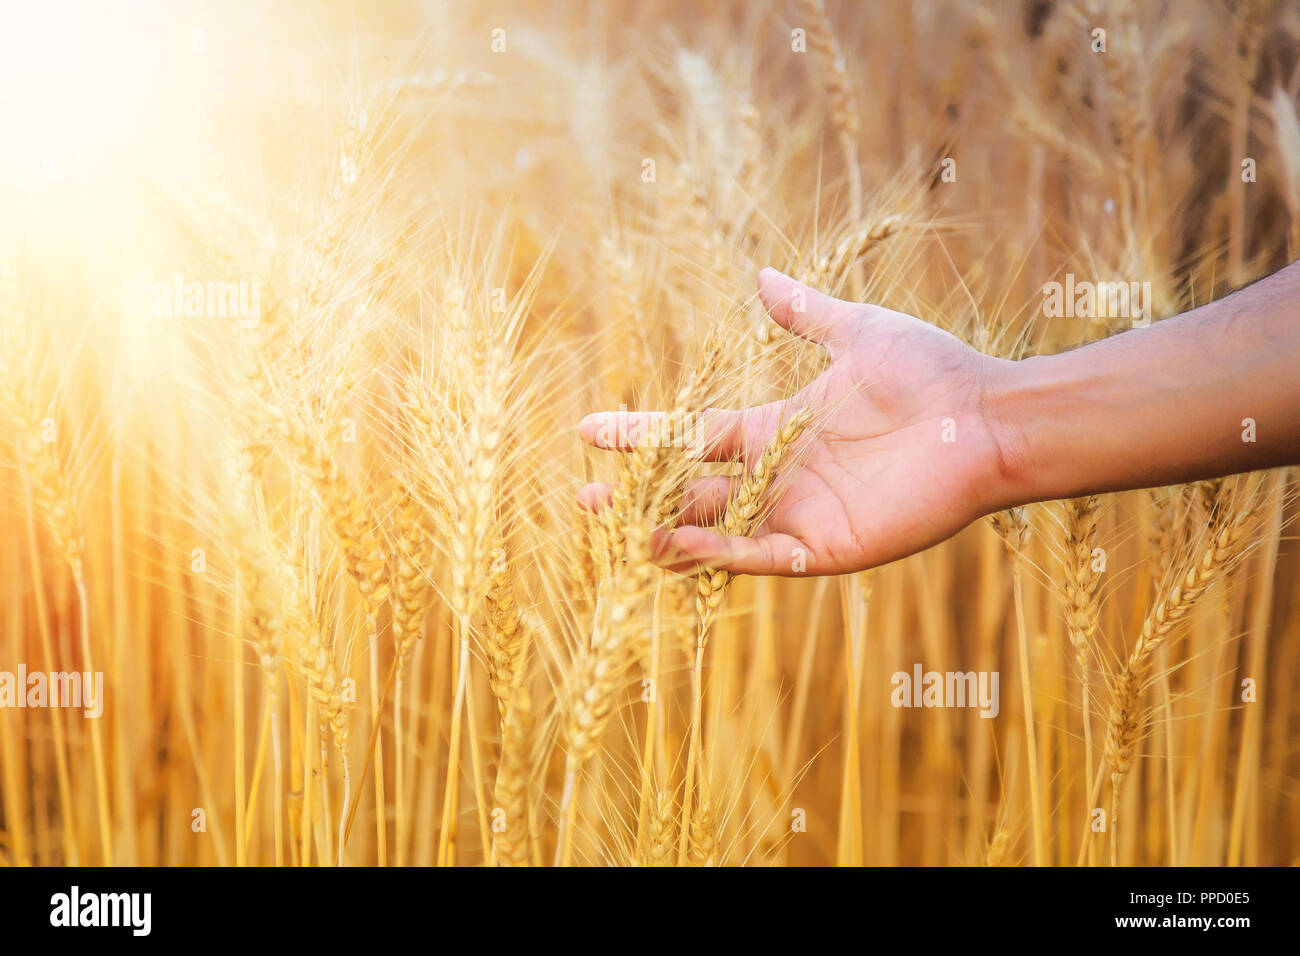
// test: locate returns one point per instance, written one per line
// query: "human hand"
(904, 452)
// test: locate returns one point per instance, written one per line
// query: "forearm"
(1212, 392)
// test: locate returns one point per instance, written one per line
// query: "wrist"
(1014, 401)
(1072, 424)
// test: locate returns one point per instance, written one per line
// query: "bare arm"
(1211, 392)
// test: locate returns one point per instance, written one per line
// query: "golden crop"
(301, 304)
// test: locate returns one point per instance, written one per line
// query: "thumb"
(806, 312)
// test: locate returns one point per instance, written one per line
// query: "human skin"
(918, 434)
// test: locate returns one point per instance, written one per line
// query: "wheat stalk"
(1012, 526)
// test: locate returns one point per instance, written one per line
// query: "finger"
(665, 553)
(669, 555)
(621, 430)
(783, 554)
(705, 500)
(732, 435)
(717, 434)
(806, 312)
(595, 497)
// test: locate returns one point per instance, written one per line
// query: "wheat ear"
(505, 639)
(827, 272)
(599, 668)
(1127, 718)
(512, 843)
(659, 843)
(744, 511)
(1082, 603)
(704, 836)
(845, 116)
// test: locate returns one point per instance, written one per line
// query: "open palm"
(902, 455)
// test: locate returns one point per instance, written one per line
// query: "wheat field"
(302, 302)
